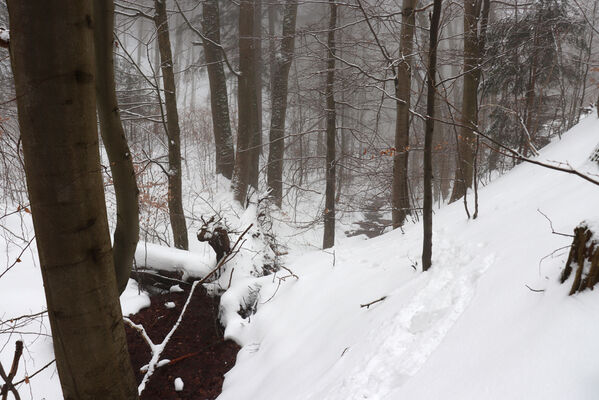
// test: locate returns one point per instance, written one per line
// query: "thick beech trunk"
(219, 101)
(401, 195)
(427, 211)
(246, 101)
(126, 233)
(52, 50)
(331, 128)
(175, 191)
(282, 64)
(256, 139)
(473, 48)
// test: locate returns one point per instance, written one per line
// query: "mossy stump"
(583, 258)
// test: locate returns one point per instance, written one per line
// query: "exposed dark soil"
(198, 353)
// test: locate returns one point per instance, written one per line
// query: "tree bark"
(473, 48)
(52, 52)
(401, 197)
(246, 101)
(427, 212)
(175, 190)
(126, 233)
(331, 127)
(279, 103)
(219, 101)
(256, 140)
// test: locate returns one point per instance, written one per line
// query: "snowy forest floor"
(488, 321)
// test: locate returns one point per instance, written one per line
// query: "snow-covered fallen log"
(168, 259)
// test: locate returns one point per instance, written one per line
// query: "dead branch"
(367, 305)
(551, 225)
(8, 384)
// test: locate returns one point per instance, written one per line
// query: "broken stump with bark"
(217, 237)
(583, 258)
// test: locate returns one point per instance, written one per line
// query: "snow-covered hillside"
(489, 321)
(470, 328)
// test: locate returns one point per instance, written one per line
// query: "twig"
(18, 259)
(230, 278)
(535, 290)
(367, 305)
(28, 378)
(551, 225)
(290, 272)
(9, 385)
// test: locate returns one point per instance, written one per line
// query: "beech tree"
(281, 66)
(246, 102)
(427, 212)
(175, 190)
(476, 16)
(219, 101)
(403, 83)
(52, 55)
(331, 130)
(126, 234)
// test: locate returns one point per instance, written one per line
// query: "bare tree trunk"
(126, 233)
(272, 16)
(175, 190)
(53, 64)
(279, 103)
(246, 101)
(221, 123)
(401, 197)
(329, 212)
(473, 48)
(256, 139)
(427, 212)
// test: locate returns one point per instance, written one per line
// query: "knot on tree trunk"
(583, 259)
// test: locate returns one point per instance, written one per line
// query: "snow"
(4, 35)
(133, 299)
(170, 304)
(175, 289)
(469, 328)
(153, 256)
(178, 384)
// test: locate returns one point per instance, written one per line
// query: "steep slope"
(468, 329)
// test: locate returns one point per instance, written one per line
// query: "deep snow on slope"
(470, 328)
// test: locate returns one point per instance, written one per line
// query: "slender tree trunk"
(427, 212)
(140, 35)
(331, 127)
(52, 51)
(219, 102)
(175, 190)
(473, 48)
(272, 16)
(246, 102)
(279, 103)
(401, 196)
(126, 233)
(256, 138)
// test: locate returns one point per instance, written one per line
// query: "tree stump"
(583, 258)
(217, 237)
(595, 155)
